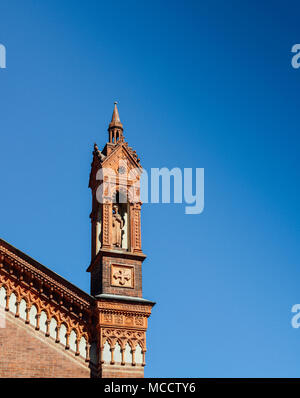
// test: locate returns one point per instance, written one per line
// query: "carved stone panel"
(122, 276)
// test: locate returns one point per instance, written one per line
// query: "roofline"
(45, 269)
(118, 297)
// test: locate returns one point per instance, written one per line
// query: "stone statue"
(117, 225)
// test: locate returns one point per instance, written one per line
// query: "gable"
(120, 154)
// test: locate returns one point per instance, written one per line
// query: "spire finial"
(115, 120)
(115, 128)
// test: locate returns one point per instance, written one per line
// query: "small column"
(133, 357)
(37, 322)
(7, 302)
(77, 348)
(27, 313)
(17, 309)
(123, 356)
(47, 327)
(112, 362)
(67, 341)
(57, 340)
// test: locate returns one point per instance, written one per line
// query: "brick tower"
(117, 257)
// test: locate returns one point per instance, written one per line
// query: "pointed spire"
(115, 128)
(115, 120)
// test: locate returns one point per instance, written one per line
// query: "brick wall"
(127, 371)
(123, 291)
(25, 352)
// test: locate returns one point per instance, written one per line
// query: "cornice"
(39, 271)
(116, 254)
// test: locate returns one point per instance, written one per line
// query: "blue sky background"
(199, 84)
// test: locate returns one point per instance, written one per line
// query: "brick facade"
(117, 371)
(101, 275)
(25, 352)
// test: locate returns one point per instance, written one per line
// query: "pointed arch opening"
(13, 303)
(117, 353)
(22, 309)
(2, 297)
(128, 354)
(43, 322)
(72, 341)
(106, 354)
(82, 347)
(32, 316)
(138, 355)
(121, 220)
(63, 334)
(53, 328)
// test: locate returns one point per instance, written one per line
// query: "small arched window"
(82, 347)
(128, 354)
(12, 303)
(53, 328)
(22, 309)
(138, 355)
(72, 341)
(2, 297)
(117, 353)
(43, 322)
(106, 355)
(62, 334)
(32, 315)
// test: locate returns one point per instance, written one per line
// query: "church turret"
(117, 257)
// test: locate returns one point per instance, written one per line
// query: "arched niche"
(106, 354)
(2, 297)
(72, 341)
(128, 354)
(117, 353)
(43, 322)
(32, 316)
(22, 309)
(53, 328)
(138, 355)
(82, 347)
(121, 220)
(62, 334)
(12, 303)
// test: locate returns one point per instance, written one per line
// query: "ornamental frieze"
(145, 309)
(123, 336)
(123, 320)
(16, 261)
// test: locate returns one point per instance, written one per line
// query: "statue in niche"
(117, 225)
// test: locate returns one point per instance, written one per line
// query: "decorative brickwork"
(49, 307)
(116, 267)
(50, 328)
(24, 352)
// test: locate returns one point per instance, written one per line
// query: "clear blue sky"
(199, 84)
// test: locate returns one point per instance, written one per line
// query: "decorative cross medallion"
(122, 276)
